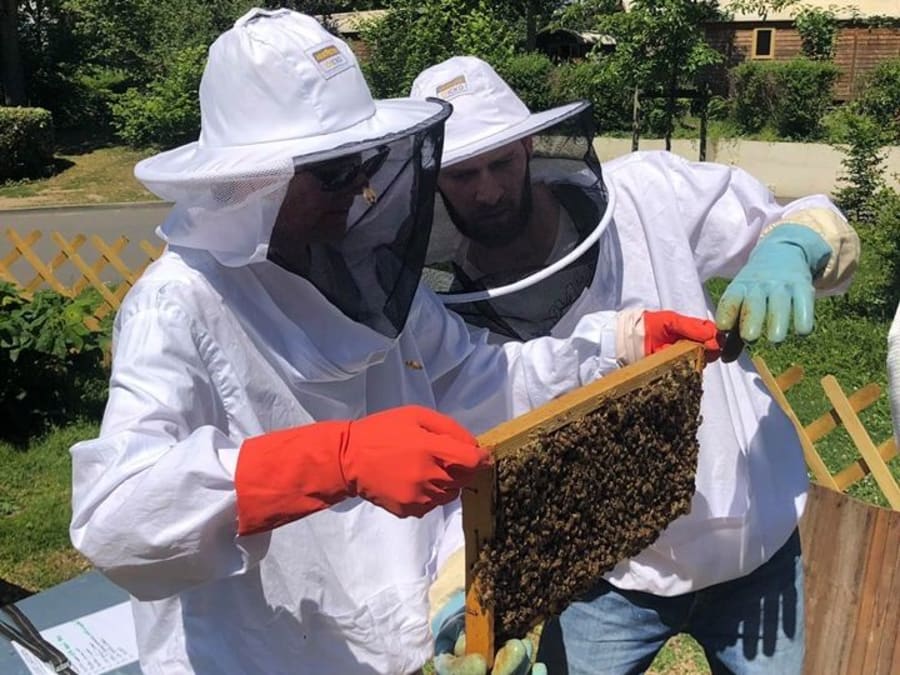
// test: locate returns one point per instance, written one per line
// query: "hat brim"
(192, 163)
(532, 124)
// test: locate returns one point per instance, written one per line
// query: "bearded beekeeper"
(272, 419)
(531, 234)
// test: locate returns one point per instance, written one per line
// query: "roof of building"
(850, 10)
(349, 23)
(584, 36)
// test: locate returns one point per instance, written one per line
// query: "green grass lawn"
(100, 176)
(35, 494)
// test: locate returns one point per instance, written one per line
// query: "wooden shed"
(860, 46)
(563, 44)
(348, 25)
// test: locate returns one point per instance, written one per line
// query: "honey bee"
(573, 502)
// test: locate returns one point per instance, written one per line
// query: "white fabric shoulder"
(893, 371)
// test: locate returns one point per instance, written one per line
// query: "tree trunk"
(704, 116)
(636, 120)
(531, 10)
(670, 106)
(11, 77)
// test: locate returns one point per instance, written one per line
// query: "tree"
(536, 15)
(12, 80)
(416, 34)
(818, 31)
(759, 7)
(584, 15)
(663, 47)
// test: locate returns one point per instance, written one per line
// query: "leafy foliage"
(862, 140)
(802, 96)
(81, 55)
(583, 15)
(818, 29)
(167, 112)
(51, 365)
(26, 143)
(529, 75)
(875, 292)
(599, 82)
(879, 98)
(419, 33)
(753, 88)
(660, 47)
(792, 96)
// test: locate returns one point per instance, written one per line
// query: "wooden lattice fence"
(872, 458)
(851, 566)
(76, 263)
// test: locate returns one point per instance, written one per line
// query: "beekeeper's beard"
(492, 231)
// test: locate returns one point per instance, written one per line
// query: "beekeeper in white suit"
(522, 191)
(277, 372)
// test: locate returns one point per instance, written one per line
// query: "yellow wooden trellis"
(74, 252)
(873, 458)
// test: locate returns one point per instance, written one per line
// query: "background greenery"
(127, 71)
(114, 72)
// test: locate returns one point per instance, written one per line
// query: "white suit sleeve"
(153, 497)
(483, 384)
(893, 371)
(726, 211)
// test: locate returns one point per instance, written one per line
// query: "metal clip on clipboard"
(25, 633)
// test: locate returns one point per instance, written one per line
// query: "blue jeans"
(751, 625)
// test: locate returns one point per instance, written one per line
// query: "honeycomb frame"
(513, 442)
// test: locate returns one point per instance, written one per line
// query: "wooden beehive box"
(483, 515)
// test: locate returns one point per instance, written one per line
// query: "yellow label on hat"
(458, 85)
(329, 59)
(325, 53)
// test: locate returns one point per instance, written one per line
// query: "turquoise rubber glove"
(777, 277)
(448, 628)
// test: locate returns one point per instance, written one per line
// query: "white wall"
(789, 169)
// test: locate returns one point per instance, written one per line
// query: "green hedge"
(529, 76)
(792, 97)
(26, 143)
(167, 112)
(880, 97)
(599, 82)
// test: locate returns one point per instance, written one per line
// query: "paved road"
(135, 221)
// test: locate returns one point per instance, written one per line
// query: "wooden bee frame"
(479, 499)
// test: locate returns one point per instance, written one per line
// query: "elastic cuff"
(840, 237)
(630, 336)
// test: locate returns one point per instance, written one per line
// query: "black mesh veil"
(355, 222)
(517, 229)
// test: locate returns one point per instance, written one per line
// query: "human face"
(487, 195)
(319, 197)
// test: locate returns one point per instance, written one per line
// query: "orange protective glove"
(407, 460)
(665, 328)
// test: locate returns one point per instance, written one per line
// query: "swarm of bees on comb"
(574, 502)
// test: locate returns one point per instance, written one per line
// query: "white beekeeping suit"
(893, 371)
(674, 225)
(265, 314)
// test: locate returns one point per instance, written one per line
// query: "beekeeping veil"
(297, 164)
(517, 230)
